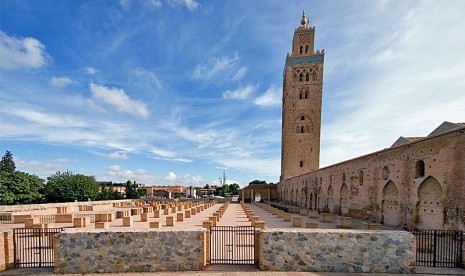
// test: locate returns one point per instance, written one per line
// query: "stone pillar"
(170, 221)
(156, 214)
(296, 221)
(127, 221)
(144, 217)
(179, 217)
(154, 224)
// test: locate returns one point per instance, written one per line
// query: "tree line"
(17, 187)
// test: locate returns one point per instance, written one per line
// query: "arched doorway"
(331, 199)
(344, 201)
(319, 202)
(311, 201)
(430, 209)
(391, 208)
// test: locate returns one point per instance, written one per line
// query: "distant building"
(165, 191)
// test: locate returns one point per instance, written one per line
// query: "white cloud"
(240, 74)
(148, 76)
(40, 168)
(171, 177)
(16, 53)
(43, 118)
(60, 82)
(271, 97)
(190, 4)
(240, 93)
(91, 70)
(216, 66)
(118, 99)
(117, 155)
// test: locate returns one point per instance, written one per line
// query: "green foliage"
(109, 193)
(18, 187)
(234, 189)
(7, 164)
(258, 182)
(67, 187)
(133, 192)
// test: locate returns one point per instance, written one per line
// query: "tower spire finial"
(303, 22)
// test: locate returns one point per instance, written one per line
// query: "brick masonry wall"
(398, 198)
(6, 250)
(132, 251)
(337, 251)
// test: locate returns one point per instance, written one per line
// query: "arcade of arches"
(417, 184)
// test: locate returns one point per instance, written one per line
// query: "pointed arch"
(344, 200)
(331, 199)
(391, 208)
(430, 206)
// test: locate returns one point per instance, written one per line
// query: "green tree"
(234, 189)
(258, 182)
(67, 187)
(7, 164)
(133, 192)
(109, 193)
(17, 187)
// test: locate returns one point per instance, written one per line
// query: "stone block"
(144, 217)
(128, 221)
(313, 214)
(179, 217)
(212, 219)
(104, 217)
(326, 217)
(310, 224)
(154, 224)
(287, 217)
(166, 211)
(280, 214)
(81, 222)
(304, 212)
(207, 223)
(187, 213)
(64, 218)
(170, 221)
(122, 214)
(62, 210)
(260, 225)
(156, 214)
(296, 221)
(102, 225)
(193, 211)
(344, 222)
(21, 218)
(371, 226)
(29, 222)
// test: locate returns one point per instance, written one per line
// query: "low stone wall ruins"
(97, 251)
(329, 250)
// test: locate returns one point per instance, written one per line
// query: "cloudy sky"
(176, 91)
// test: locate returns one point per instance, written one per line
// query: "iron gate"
(232, 245)
(34, 247)
(439, 248)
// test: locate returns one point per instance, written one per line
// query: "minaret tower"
(302, 93)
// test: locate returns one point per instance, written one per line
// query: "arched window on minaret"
(314, 76)
(307, 77)
(301, 77)
(302, 129)
(306, 95)
(306, 48)
(308, 129)
(300, 95)
(301, 47)
(302, 118)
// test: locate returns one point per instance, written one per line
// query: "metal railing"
(232, 245)
(34, 247)
(439, 248)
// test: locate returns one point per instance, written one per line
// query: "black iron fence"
(6, 218)
(439, 248)
(232, 245)
(34, 247)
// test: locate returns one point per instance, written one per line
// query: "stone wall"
(387, 185)
(132, 251)
(326, 250)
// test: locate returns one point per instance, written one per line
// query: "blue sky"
(176, 91)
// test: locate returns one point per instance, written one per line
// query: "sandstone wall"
(132, 251)
(337, 251)
(386, 186)
(6, 250)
